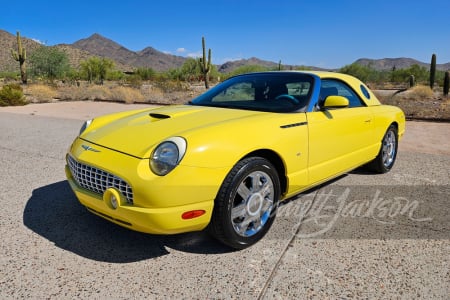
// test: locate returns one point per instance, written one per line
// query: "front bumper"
(158, 203)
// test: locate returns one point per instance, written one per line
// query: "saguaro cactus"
(205, 65)
(432, 70)
(412, 81)
(446, 83)
(20, 56)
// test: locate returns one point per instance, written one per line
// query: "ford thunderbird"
(223, 161)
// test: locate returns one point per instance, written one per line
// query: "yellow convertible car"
(224, 160)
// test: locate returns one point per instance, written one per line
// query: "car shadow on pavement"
(54, 213)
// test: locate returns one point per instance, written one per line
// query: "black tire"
(246, 204)
(387, 155)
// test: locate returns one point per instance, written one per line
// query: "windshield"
(272, 92)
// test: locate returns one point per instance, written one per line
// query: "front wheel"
(246, 204)
(385, 159)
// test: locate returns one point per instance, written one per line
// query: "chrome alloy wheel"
(389, 148)
(253, 203)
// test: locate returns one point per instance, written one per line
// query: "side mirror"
(335, 102)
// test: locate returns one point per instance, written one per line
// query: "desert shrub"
(145, 73)
(126, 94)
(168, 86)
(12, 94)
(41, 93)
(97, 92)
(115, 75)
(421, 91)
(10, 75)
(70, 93)
(134, 80)
(94, 92)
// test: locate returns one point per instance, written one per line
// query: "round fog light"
(113, 201)
(112, 198)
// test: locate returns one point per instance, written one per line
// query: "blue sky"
(327, 34)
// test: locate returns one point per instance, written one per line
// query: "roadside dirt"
(421, 137)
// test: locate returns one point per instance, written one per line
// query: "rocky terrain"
(127, 60)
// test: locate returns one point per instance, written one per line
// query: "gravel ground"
(368, 236)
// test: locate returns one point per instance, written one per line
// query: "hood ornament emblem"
(89, 148)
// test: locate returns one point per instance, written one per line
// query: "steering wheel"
(288, 97)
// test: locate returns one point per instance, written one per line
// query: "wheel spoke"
(238, 211)
(243, 191)
(242, 227)
(266, 189)
(257, 224)
(266, 205)
(256, 182)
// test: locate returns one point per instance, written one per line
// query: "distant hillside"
(127, 60)
(147, 58)
(233, 65)
(398, 63)
(8, 42)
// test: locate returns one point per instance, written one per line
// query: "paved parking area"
(360, 236)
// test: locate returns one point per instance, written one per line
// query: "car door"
(339, 139)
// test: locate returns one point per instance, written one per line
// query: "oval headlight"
(85, 126)
(167, 155)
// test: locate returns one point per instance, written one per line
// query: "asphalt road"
(363, 236)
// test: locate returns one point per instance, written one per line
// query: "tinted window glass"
(365, 92)
(338, 88)
(274, 92)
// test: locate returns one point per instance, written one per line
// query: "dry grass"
(98, 92)
(126, 94)
(111, 92)
(420, 92)
(94, 92)
(40, 93)
(420, 102)
(169, 94)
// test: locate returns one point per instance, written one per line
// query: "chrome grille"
(97, 180)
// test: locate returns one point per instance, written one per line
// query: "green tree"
(361, 72)
(191, 70)
(96, 68)
(49, 62)
(145, 73)
(402, 75)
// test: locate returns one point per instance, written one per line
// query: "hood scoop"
(159, 116)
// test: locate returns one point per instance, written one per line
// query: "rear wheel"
(385, 159)
(246, 205)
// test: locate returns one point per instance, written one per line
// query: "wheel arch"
(276, 161)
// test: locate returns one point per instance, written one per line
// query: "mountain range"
(127, 60)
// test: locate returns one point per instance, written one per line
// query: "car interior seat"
(277, 90)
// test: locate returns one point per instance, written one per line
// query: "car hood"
(137, 133)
